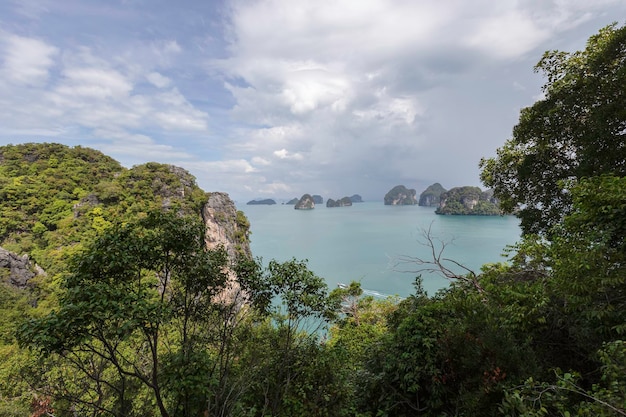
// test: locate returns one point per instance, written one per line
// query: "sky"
(277, 98)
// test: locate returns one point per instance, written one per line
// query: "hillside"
(54, 198)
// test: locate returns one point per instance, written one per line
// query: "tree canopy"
(577, 130)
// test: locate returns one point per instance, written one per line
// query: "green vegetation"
(138, 318)
(431, 195)
(467, 201)
(575, 132)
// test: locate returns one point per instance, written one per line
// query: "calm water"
(364, 242)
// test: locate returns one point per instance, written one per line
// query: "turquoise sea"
(365, 242)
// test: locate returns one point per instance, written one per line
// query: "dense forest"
(136, 316)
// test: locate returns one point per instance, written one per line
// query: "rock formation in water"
(317, 199)
(343, 202)
(468, 201)
(292, 201)
(306, 202)
(356, 198)
(400, 196)
(266, 201)
(430, 197)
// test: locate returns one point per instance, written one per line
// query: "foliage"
(576, 131)
(467, 201)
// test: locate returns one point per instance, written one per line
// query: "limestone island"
(431, 196)
(468, 201)
(317, 199)
(343, 202)
(306, 202)
(267, 202)
(401, 196)
(356, 198)
(293, 201)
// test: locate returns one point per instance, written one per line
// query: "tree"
(136, 315)
(578, 130)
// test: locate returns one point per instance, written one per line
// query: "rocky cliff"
(306, 202)
(400, 196)
(430, 197)
(342, 202)
(468, 201)
(17, 270)
(225, 225)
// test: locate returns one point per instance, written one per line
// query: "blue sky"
(277, 98)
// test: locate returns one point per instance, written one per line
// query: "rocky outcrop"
(17, 270)
(225, 226)
(468, 201)
(306, 202)
(356, 198)
(292, 201)
(430, 197)
(343, 202)
(401, 196)
(317, 199)
(267, 202)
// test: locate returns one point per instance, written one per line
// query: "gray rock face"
(306, 202)
(17, 270)
(401, 196)
(343, 202)
(431, 196)
(222, 228)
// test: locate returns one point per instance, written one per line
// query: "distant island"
(468, 201)
(430, 197)
(306, 202)
(356, 198)
(400, 196)
(317, 199)
(293, 201)
(267, 202)
(343, 202)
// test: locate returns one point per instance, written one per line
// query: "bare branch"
(438, 264)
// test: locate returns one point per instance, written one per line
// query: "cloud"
(158, 80)
(285, 154)
(27, 61)
(284, 97)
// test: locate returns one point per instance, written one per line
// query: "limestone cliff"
(342, 202)
(430, 197)
(17, 270)
(306, 202)
(225, 225)
(468, 201)
(400, 196)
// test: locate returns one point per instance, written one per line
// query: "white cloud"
(158, 80)
(27, 61)
(95, 83)
(285, 154)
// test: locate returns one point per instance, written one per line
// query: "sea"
(377, 245)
